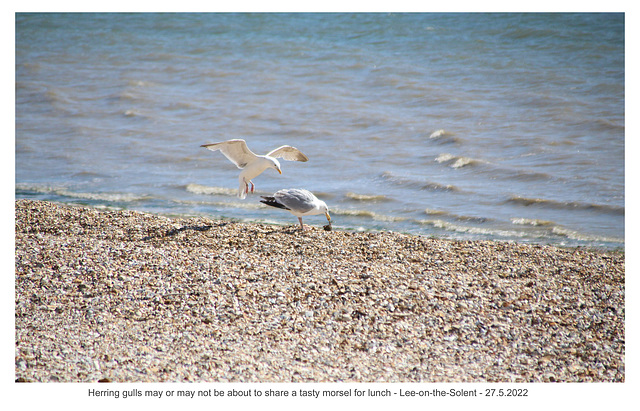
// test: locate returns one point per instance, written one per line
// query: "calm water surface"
(471, 126)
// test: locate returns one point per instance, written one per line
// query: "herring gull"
(253, 165)
(298, 202)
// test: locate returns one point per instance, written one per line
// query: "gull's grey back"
(296, 199)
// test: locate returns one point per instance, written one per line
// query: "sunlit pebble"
(122, 296)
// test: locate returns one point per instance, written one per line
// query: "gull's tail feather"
(271, 201)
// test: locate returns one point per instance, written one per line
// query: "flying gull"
(253, 165)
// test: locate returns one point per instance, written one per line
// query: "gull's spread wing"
(235, 150)
(288, 153)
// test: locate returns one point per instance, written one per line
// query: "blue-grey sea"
(466, 126)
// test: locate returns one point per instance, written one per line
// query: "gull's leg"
(246, 187)
(253, 186)
(301, 225)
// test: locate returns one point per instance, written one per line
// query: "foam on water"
(59, 191)
(549, 232)
(231, 205)
(366, 214)
(366, 197)
(208, 190)
(457, 161)
(459, 228)
(531, 222)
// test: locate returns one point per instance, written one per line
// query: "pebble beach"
(125, 296)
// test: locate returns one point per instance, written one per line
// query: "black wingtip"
(271, 201)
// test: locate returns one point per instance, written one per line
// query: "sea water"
(467, 126)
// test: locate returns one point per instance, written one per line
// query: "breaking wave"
(457, 161)
(443, 137)
(531, 222)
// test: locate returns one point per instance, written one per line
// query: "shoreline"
(125, 296)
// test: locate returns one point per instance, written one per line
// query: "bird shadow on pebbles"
(275, 230)
(176, 231)
(293, 230)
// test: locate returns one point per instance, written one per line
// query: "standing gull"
(299, 202)
(253, 165)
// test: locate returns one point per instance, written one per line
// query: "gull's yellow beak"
(328, 216)
(279, 171)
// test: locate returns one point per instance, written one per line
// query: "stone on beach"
(125, 296)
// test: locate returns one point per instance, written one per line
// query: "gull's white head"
(323, 207)
(275, 164)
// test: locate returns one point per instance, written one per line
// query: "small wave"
(365, 213)
(458, 228)
(470, 218)
(444, 157)
(456, 161)
(208, 190)
(366, 197)
(439, 133)
(462, 161)
(223, 204)
(443, 137)
(430, 211)
(439, 187)
(531, 222)
(543, 230)
(575, 235)
(429, 185)
(132, 113)
(492, 169)
(57, 95)
(565, 205)
(64, 192)
(111, 197)
(525, 175)
(238, 204)
(387, 175)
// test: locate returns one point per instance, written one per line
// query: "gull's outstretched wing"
(288, 153)
(235, 150)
